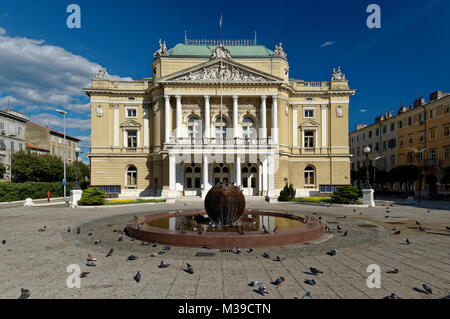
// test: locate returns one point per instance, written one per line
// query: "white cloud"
(363, 110)
(57, 122)
(85, 141)
(9, 101)
(325, 44)
(2, 31)
(40, 74)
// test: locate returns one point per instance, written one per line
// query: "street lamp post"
(367, 191)
(366, 153)
(64, 113)
(419, 179)
(76, 185)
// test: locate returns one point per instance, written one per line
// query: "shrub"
(20, 191)
(346, 195)
(92, 197)
(287, 193)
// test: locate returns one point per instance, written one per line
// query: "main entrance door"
(221, 174)
(250, 180)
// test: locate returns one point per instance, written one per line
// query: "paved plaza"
(38, 260)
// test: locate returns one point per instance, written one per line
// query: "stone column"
(167, 119)
(116, 125)
(263, 128)
(275, 119)
(206, 185)
(294, 126)
(178, 115)
(264, 176)
(146, 128)
(324, 125)
(172, 176)
(207, 118)
(235, 116)
(238, 170)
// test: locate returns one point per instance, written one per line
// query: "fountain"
(226, 223)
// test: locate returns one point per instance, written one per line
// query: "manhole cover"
(204, 254)
(367, 225)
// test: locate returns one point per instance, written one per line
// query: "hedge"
(10, 192)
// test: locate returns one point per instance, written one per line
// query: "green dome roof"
(235, 50)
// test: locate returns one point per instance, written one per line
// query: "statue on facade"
(101, 74)
(279, 51)
(339, 111)
(99, 111)
(220, 52)
(162, 51)
(337, 75)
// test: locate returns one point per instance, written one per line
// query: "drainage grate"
(204, 254)
(227, 251)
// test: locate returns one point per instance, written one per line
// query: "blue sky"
(44, 64)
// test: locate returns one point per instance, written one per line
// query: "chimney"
(360, 126)
(437, 95)
(419, 101)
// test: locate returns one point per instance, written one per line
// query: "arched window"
(245, 170)
(248, 128)
(193, 177)
(309, 175)
(194, 127)
(225, 170)
(131, 176)
(221, 127)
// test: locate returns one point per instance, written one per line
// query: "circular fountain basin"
(178, 230)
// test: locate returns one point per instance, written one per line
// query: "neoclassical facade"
(215, 112)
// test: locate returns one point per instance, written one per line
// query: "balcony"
(220, 141)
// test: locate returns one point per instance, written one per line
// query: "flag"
(220, 23)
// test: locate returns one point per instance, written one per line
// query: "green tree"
(287, 193)
(31, 167)
(346, 195)
(2, 170)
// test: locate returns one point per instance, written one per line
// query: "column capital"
(275, 96)
(178, 97)
(235, 97)
(116, 106)
(167, 97)
(294, 106)
(263, 97)
(323, 106)
(207, 97)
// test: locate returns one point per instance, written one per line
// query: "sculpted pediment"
(222, 70)
(130, 123)
(309, 124)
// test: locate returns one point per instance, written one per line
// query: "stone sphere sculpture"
(225, 204)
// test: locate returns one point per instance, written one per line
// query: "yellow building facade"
(219, 112)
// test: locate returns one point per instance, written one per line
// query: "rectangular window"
(432, 134)
(20, 146)
(432, 154)
(53, 138)
(431, 114)
(2, 126)
(370, 134)
(392, 143)
(364, 136)
(410, 121)
(392, 160)
(384, 129)
(309, 139)
(377, 146)
(392, 126)
(410, 157)
(309, 113)
(12, 146)
(410, 139)
(377, 132)
(384, 145)
(197, 182)
(420, 118)
(19, 131)
(59, 140)
(400, 124)
(131, 178)
(447, 153)
(189, 182)
(132, 139)
(131, 113)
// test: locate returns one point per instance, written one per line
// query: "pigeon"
(44, 228)
(354, 210)
(407, 241)
(278, 281)
(266, 255)
(417, 223)
(338, 228)
(311, 282)
(394, 271)
(315, 271)
(427, 289)
(84, 274)
(307, 295)
(392, 296)
(275, 229)
(24, 294)
(132, 257)
(144, 243)
(428, 211)
(3, 242)
(167, 248)
(137, 277)
(397, 232)
(189, 269)
(207, 247)
(421, 228)
(262, 290)
(345, 234)
(97, 242)
(91, 232)
(120, 238)
(238, 250)
(447, 228)
(265, 229)
(78, 230)
(68, 229)
(140, 225)
(155, 244)
(255, 283)
(91, 263)
(163, 264)
(153, 255)
(333, 252)
(161, 252)
(110, 252)
(250, 250)
(278, 258)
(91, 258)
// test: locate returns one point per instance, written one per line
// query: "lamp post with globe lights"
(76, 185)
(76, 191)
(368, 191)
(367, 150)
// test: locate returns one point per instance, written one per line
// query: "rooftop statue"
(279, 51)
(162, 51)
(338, 75)
(220, 52)
(102, 74)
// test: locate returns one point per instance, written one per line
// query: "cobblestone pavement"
(38, 260)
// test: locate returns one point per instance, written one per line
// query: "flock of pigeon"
(259, 287)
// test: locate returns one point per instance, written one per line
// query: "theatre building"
(219, 112)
